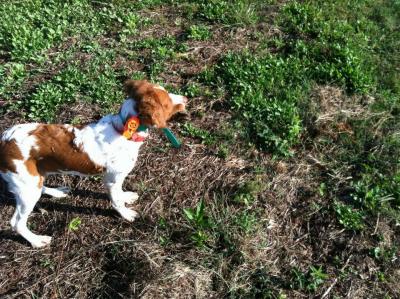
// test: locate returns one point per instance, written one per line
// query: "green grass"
(95, 82)
(32, 31)
(268, 91)
(200, 222)
(198, 32)
(248, 191)
(373, 153)
(265, 90)
(309, 280)
(237, 12)
(31, 27)
(205, 136)
(331, 49)
(155, 52)
(349, 217)
(261, 95)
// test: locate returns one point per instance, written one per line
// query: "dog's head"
(154, 104)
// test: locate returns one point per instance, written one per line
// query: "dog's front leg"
(119, 198)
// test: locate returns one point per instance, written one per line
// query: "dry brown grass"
(295, 226)
(108, 257)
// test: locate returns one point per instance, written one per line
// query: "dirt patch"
(180, 281)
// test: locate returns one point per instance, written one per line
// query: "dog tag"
(131, 126)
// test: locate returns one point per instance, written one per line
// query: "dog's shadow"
(51, 205)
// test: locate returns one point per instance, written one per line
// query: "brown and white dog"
(30, 152)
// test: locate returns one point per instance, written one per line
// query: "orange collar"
(133, 130)
(130, 127)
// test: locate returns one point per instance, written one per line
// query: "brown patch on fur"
(31, 167)
(57, 152)
(155, 106)
(41, 181)
(9, 151)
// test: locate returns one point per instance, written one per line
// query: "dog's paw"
(59, 192)
(40, 241)
(128, 214)
(129, 197)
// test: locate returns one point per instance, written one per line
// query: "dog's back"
(43, 149)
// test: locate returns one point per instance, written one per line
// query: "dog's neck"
(119, 120)
(127, 110)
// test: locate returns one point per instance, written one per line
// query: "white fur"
(177, 99)
(20, 134)
(159, 87)
(60, 192)
(104, 145)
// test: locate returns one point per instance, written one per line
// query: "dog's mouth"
(149, 124)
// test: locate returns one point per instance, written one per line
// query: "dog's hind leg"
(25, 202)
(59, 192)
(26, 184)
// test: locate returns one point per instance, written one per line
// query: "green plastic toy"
(167, 132)
(171, 137)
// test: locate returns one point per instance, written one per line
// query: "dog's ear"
(179, 103)
(179, 108)
(132, 88)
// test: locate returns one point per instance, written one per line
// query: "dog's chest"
(107, 147)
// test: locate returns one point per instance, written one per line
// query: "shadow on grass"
(126, 270)
(9, 235)
(7, 199)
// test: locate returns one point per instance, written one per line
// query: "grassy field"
(288, 182)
